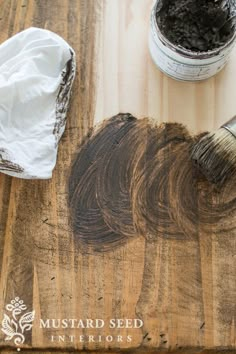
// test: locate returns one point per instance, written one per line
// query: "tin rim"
(186, 52)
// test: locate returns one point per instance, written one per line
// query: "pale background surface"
(191, 283)
(129, 81)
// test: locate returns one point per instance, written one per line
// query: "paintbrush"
(215, 153)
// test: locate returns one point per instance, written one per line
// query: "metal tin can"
(183, 64)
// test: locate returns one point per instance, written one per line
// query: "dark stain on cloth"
(7, 165)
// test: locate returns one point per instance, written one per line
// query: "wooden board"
(184, 291)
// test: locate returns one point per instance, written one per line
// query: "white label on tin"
(182, 68)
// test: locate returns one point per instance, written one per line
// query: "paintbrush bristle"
(215, 155)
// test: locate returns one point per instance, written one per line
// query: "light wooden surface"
(191, 283)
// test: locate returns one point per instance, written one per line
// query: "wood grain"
(127, 351)
(184, 291)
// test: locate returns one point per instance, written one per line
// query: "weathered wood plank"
(133, 351)
(183, 291)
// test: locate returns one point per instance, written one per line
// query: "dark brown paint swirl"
(133, 177)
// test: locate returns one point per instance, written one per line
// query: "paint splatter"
(133, 177)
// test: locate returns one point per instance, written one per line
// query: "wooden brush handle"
(231, 126)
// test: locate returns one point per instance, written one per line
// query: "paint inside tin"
(183, 64)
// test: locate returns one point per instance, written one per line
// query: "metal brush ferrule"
(231, 126)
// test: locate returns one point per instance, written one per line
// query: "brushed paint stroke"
(134, 177)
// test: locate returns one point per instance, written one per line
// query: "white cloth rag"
(37, 69)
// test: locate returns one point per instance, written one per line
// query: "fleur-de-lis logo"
(19, 323)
